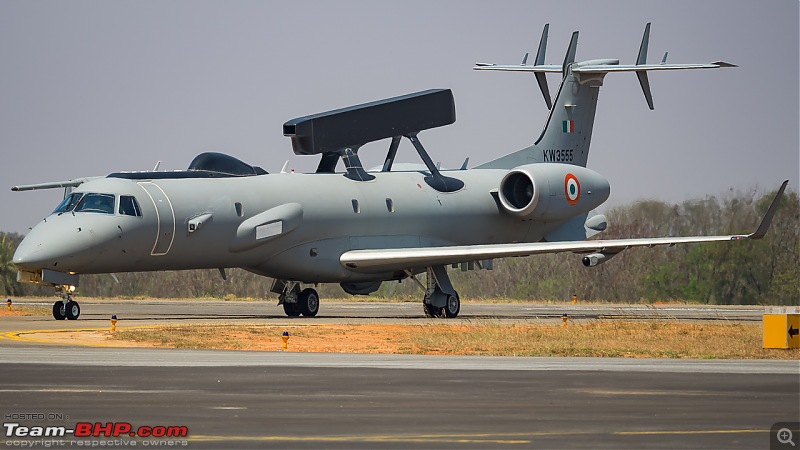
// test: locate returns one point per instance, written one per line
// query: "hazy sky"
(90, 88)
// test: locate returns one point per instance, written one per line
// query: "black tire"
(73, 310)
(309, 302)
(453, 306)
(59, 310)
(432, 311)
(291, 309)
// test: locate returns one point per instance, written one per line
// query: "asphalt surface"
(229, 399)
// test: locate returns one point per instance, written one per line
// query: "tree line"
(766, 271)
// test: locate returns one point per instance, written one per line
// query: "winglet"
(767, 220)
(641, 59)
(569, 58)
(540, 77)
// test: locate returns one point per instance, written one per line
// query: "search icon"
(785, 436)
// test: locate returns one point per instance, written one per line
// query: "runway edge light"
(781, 327)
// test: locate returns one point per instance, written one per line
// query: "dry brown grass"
(18, 309)
(659, 339)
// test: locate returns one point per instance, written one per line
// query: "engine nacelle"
(595, 259)
(552, 191)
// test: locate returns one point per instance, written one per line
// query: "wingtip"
(766, 222)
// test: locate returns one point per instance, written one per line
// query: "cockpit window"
(129, 207)
(68, 203)
(97, 203)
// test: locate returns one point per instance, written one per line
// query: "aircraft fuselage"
(288, 226)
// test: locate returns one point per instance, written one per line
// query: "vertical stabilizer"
(568, 130)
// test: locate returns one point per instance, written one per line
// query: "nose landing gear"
(66, 308)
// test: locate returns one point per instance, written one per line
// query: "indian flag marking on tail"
(572, 189)
(568, 126)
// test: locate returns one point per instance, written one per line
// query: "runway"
(230, 399)
(353, 312)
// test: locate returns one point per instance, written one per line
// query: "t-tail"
(568, 131)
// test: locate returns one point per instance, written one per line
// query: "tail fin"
(568, 130)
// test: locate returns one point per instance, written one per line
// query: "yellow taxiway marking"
(483, 438)
(475, 438)
(650, 433)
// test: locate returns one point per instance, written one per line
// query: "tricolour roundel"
(572, 189)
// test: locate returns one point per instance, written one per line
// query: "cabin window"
(239, 209)
(69, 202)
(356, 207)
(96, 203)
(129, 207)
(390, 205)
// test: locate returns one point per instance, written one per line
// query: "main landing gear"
(66, 308)
(441, 300)
(296, 301)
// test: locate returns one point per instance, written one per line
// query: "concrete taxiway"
(230, 399)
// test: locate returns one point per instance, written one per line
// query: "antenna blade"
(642, 58)
(524, 59)
(664, 59)
(569, 58)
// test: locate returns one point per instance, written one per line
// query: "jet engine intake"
(548, 191)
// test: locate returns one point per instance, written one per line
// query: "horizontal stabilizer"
(544, 68)
(595, 67)
(604, 68)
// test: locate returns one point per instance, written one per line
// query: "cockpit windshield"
(69, 202)
(96, 203)
(99, 203)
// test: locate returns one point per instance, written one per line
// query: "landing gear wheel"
(453, 306)
(73, 310)
(309, 302)
(432, 311)
(291, 309)
(59, 310)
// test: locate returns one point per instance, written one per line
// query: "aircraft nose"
(37, 250)
(25, 256)
(57, 244)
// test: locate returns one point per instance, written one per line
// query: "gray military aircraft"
(357, 228)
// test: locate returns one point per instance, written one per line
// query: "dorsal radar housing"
(340, 133)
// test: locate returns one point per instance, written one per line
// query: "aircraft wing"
(382, 260)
